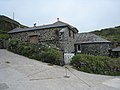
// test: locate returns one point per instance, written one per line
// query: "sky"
(85, 15)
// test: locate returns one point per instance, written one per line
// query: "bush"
(41, 53)
(96, 64)
(13, 45)
(22, 48)
(52, 56)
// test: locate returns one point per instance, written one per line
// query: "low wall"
(3, 43)
(68, 57)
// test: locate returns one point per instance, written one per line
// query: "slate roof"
(90, 38)
(116, 49)
(54, 25)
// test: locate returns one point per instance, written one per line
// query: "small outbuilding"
(115, 52)
(88, 43)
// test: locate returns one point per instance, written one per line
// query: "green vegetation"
(112, 34)
(96, 64)
(40, 53)
(4, 36)
(7, 24)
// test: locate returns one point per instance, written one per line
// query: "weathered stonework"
(3, 43)
(101, 49)
(52, 37)
(69, 40)
(92, 44)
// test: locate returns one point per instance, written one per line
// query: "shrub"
(52, 56)
(41, 53)
(96, 64)
(13, 45)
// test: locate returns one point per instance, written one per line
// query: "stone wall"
(69, 40)
(51, 37)
(44, 35)
(101, 49)
(3, 43)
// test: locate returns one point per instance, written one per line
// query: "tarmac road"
(21, 73)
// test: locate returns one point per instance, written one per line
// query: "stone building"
(115, 52)
(89, 43)
(64, 37)
(57, 35)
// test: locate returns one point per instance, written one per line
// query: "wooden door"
(34, 39)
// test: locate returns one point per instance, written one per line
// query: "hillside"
(111, 34)
(7, 24)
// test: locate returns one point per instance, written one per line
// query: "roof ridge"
(53, 25)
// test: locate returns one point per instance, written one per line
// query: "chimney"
(57, 19)
(34, 24)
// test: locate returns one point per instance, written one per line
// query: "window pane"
(79, 47)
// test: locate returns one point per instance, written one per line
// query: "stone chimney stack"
(34, 24)
(57, 19)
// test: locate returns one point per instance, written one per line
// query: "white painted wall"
(68, 57)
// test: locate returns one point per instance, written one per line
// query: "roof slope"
(116, 49)
(54, 25)
(90, 38)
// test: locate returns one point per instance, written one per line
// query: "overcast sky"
(85, 15)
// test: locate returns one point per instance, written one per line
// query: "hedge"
(38, 52)
(96, 64)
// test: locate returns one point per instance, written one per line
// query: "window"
(57, 32)
(61, 35)
(73, 35)
(79, 48)
(69, 33)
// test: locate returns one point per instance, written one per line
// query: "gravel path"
(21, 73)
